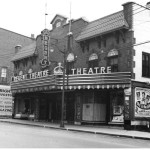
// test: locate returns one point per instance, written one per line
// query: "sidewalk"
(105, 130)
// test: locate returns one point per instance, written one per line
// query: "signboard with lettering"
(142, 102)
(94, 70)
(59, 71)
(45, 40)
(5, 101)
(33, 75)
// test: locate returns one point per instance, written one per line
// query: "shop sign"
(5, 101)
(142, 102)
(33, 75)
(94, 70)
(45, 41)
(59, 71)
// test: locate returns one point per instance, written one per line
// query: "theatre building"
(105, 69)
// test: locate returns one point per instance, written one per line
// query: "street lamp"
(63, 90)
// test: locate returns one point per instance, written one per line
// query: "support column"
(127, 99)
(13, 106)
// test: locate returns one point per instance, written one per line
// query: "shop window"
(93, 60)
(88, 97)
(31, 110)
(27, 106)
(117, 106)
(145, 64)
(113, 60)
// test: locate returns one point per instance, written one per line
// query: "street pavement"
(105, 130)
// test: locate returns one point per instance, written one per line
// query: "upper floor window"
(93, 60)
(33, 60)
(113, 60)
(4, 72)
(117, 38)
(104, 42)
(20, 73)
(30, 70)
(16, 64)
(58, 24)
(25, 62)
(145, 64)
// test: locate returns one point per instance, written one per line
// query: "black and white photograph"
(75, 74)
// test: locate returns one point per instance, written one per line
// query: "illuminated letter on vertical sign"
(46, 37)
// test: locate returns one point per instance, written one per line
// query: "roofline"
(127, 3)
(76, 20)
(13, 60)
(106, 16)
(56, 16)
(68, 23)
(18, 33)
(86, 38)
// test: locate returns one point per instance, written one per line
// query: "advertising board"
(5, 101)
(142, 102)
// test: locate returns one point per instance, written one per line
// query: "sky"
(27, 17)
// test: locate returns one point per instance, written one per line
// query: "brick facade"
(8, 41)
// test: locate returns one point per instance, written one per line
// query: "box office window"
(145, 64)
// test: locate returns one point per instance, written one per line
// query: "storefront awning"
(88, 81)
(104, 86)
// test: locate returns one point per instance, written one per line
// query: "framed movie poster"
(142, 102)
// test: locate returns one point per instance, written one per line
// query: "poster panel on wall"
(5, 101)
(142, 102)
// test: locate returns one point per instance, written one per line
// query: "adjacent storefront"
(5, 101)
(140, 104)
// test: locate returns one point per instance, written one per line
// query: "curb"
(110, 134)
(76, 130)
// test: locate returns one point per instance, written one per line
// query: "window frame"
(2, 72)
(93, 62)
(114, 67)
(145, 65)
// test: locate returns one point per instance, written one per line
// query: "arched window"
(113, 60)
(93, 60)
(20, 73)
(30, 70)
